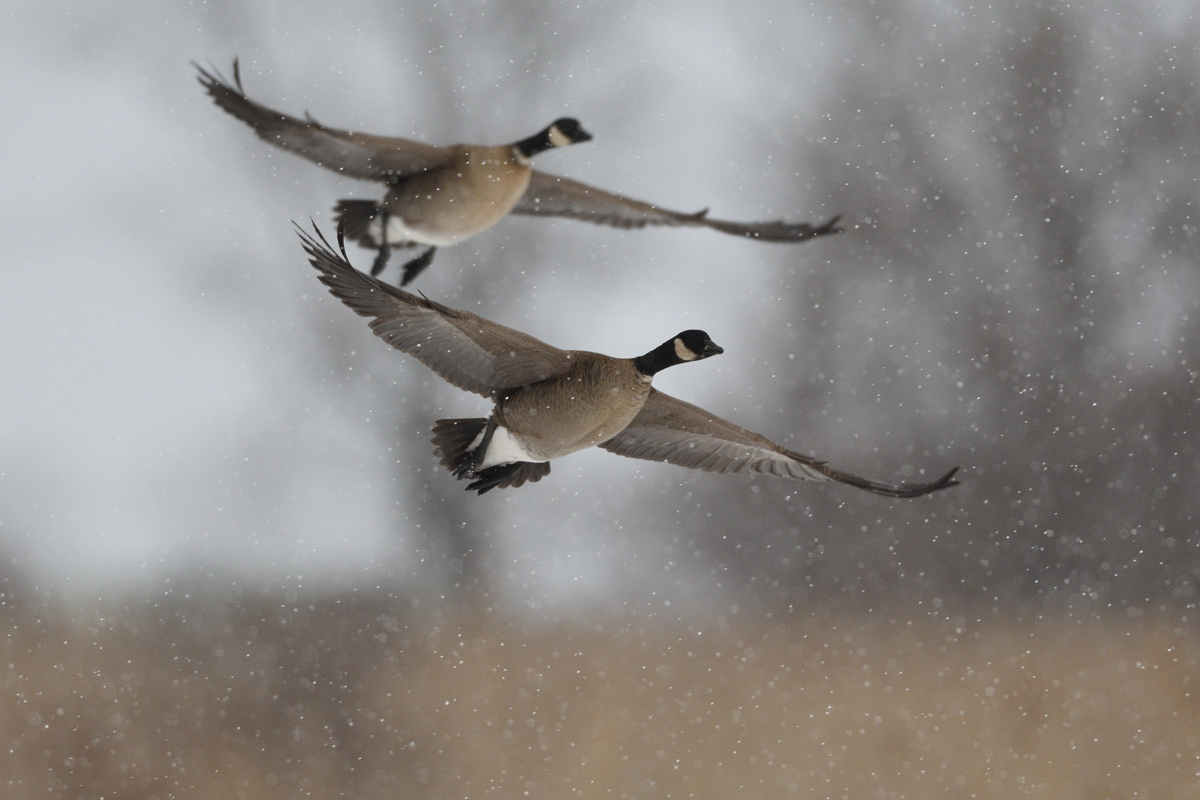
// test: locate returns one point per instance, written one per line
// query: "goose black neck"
(658, 359)
(538, 143)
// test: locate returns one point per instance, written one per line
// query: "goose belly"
(400, 232)
(549, 427)
(446, 208)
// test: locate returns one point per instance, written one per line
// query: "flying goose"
(439, 196)
(551, 402)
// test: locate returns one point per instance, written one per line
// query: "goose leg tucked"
(414, 267)
(381, 259)
(462, 444)
(357, 220)
(503, 476)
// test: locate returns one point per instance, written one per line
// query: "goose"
(549, 402)
(439, 196)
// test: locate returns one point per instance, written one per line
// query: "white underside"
(503, 449)
(398, 232)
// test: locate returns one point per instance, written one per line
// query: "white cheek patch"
(504, 449)
(558, 138)
(682, 352)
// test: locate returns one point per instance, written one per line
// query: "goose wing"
(469, 351)
(553, 196)
(358, 155)
(667, 429)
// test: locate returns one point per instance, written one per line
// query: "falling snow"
(235, 569)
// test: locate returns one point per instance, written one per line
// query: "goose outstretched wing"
(470, 352)
(670, 430)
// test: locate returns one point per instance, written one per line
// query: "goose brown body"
(592, 401)
(477, 188)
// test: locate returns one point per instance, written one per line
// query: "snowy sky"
(179, 393)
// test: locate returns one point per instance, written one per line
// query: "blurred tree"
(980, 312)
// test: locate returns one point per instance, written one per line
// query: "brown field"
(359, 697)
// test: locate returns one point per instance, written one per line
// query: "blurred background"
(231, 565)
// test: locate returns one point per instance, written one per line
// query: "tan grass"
(357, 699)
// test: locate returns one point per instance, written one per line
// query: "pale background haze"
(220, 516)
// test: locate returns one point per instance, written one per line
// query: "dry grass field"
(356, 696)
